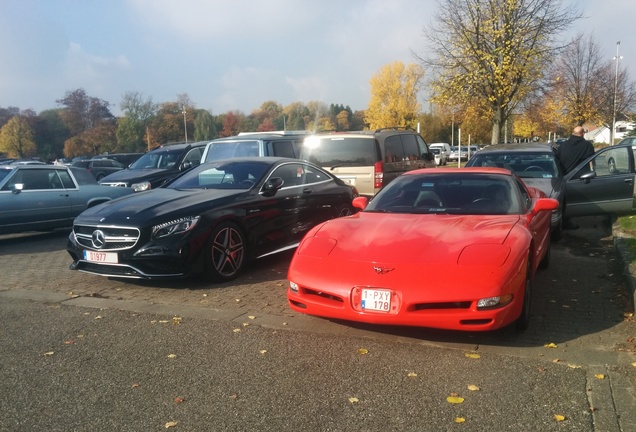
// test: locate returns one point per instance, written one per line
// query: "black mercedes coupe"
(210, 220)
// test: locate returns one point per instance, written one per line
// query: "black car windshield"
(228, 175)
(524, 164)
(477, 193)
(164, 158)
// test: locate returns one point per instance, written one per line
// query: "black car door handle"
(629, 180)
(307, 190)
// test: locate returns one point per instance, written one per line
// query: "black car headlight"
(177, 226)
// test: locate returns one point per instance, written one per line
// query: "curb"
(629, 267)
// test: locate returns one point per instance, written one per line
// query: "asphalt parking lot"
(581, 308)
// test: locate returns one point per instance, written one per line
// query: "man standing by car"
(571, 153)
(575, 150)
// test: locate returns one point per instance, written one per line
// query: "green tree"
(17, 138)
(394, 91)
(132, 127)
(50, 134)
(493, 51)
(204, 127)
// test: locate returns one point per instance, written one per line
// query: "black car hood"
(158, 205)
(137, 175)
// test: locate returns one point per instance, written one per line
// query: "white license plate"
(102, 257)
(379, 300)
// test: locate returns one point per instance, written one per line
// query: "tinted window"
(411, 149)
(525, 165)
(283, 149)
(393, 150)
(340, 151)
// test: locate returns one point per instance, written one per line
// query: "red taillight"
(378, 174)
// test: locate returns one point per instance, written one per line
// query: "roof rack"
(394, 128)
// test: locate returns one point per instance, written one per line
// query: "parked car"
(281, 144)
(210, 220)
(439, 155)
(123, 158)
(99, 168)
(601, 184)
(536, 164)
(445, 147)
(458, 153)
(478, 275)
(157, 166)
(368, 160)
(45, 197)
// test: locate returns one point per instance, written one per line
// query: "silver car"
(45, 197)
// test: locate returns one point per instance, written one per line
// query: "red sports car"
(442, 248)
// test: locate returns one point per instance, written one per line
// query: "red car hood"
(399, 238)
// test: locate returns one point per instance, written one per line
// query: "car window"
(283, 149)
(449, 193)
(411, 149)
(340, 151)
(39, 179)
(82, 176)
(229, 175)
(525, 165)
(611, 162)
(194, 156)
(393, 150)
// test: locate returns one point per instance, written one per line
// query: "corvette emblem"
(382, 270)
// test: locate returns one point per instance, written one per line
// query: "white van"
(445, 147)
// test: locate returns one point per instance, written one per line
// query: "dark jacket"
(574, 151)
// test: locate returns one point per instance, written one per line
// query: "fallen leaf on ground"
(599, 376)
(412, 374)
(460, 419)
(472, 355)
(455, 399)
(556, 360)
(472, 387)
(634, 364)
(98, 317)
(559, 417)
(171, 424)
(135, 385)
(172, 356)
(176, 320)
(49, 353)
(236, 330)
(353, 400)
(233, 396)
(363, 351)
(178, 400)
(574, 366)
(550, 345)
(246, 324)
(69, 342)
(251, 317)
(262, 351)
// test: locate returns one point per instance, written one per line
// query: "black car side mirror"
(271, 186)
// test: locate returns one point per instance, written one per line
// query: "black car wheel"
(225, 253)
(524, 319)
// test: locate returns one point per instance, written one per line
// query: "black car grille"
(108, 238)
(142, 269)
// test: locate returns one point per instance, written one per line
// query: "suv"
(123, 158)
(157, 166)
(368, 160)
(99, 168)
(281, 143)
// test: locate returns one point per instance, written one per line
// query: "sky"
(236, 54)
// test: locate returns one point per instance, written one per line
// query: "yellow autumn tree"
(493, 51)
(394, 91)
(17, 138)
